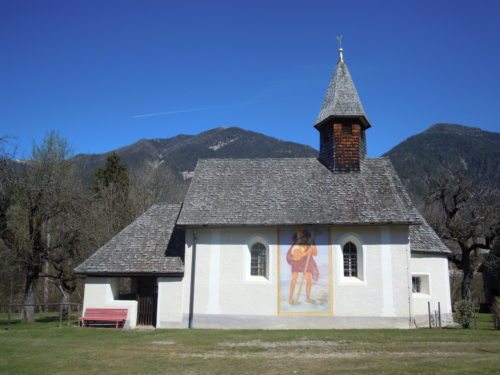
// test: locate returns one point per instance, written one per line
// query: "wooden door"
(147, 297)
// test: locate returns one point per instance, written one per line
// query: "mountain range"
(447, 148)
(169, 163)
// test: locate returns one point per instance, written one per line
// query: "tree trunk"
(468, 275)
(46, 287)
(28, 311)
(64, 302)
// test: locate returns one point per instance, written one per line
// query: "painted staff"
(309, 250)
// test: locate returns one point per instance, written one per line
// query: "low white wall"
(169, 313)
(435, 267)
(102, 292)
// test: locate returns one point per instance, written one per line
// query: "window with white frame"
(350, 254)
(258, 260)
(420, 284)
(416, 283)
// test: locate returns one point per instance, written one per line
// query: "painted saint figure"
(300, 257)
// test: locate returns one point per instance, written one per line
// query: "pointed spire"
(342, 98)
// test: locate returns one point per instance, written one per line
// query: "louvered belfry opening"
(342, 145)
(147, 298)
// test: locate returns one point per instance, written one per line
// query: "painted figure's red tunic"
(298, 262)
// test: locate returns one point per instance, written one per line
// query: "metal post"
(439, 314)
(429, 312)
(69, 312)
(60, 315)
(79, 314)
(10, 299)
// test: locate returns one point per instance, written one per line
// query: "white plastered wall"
(222, 281)
(102, 292)
(435, 268)
(170, 298)
(224, 287)
(382, 285)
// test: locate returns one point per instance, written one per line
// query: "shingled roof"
(423, 239)
(342, 99)
(294, 191)
(149, 245)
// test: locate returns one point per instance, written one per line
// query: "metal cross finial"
(339, 38)
(341, 56)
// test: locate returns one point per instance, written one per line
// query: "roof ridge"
(269, 158)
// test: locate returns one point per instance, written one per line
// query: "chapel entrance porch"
(143, 291)
(147, 299)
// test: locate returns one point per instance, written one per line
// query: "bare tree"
(149, 186)
(491, 271)
(8, 270)
(468, 221)
(44, 192)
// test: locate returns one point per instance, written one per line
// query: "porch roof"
(151, 244)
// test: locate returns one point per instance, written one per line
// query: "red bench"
(101, 316)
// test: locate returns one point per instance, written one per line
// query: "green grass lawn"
(43, 348)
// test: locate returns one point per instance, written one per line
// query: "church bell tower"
(342, 123)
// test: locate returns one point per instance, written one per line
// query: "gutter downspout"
(409, 280)
(191, 292)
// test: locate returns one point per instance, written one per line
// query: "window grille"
(350, 260)
(416, 283)
(258, 262)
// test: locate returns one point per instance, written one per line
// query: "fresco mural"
(304, 272)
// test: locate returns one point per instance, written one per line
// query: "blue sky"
(108, 73)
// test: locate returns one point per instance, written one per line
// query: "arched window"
(258, 260)
(350, 254)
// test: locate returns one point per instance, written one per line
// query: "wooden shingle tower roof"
(341, 99)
